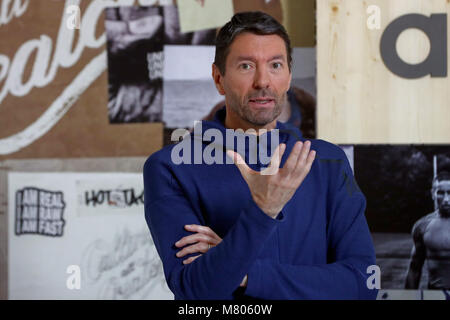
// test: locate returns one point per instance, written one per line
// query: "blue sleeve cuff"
(257, 215)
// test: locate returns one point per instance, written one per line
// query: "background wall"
(54, 94)
(299, 18)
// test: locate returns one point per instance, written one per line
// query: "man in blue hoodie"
(239, 226)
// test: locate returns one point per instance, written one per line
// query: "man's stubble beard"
(260, 117)
(444, 212)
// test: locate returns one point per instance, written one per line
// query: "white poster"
(200, 14)
(81, 236)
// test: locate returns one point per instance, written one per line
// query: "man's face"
(257, 77)
(442, 195)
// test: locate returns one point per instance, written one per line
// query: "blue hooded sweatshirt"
(318, 247)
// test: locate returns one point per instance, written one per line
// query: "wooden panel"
(359, 99)
(299, 19)
(273, 7)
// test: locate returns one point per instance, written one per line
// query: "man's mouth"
(261, 101)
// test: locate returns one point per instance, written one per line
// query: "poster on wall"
(202, 14)
(189, 92)
(81, 236)
(135, 40)
(407, 188)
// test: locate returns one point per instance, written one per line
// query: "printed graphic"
(114, 198)
(111, 195)
(125, 268)
(39, 212)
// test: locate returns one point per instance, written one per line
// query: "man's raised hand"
(273, 187)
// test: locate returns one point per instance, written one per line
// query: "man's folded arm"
(346, 278)
(350, 252)
(217, 273)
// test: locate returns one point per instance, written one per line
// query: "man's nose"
(262, 78)
(446, 197)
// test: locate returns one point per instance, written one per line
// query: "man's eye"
(277, 65)
(245, 66)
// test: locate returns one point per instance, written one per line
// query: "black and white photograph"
(135, 44)
(408, 209)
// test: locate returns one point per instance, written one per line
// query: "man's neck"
(233, 121)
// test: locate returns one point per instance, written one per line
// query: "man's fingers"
(198, 247)
(194, 238)
(202, 229)
(304, 153)
(304, 165)
(190, 259)
(236, 157)
(239, 162)
(291, 162)
(310, 159)
(277, 155)
(275, 161)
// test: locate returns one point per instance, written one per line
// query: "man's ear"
(218, 79)
(290, 79)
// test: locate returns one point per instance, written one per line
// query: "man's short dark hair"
(254, 22)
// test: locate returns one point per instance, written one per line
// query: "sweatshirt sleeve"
(217, 273)
(350, 252)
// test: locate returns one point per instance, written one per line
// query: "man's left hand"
(201, 241)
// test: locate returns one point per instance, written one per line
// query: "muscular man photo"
(234, 229)
(431, 236)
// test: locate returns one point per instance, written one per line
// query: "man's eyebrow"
(278, 57)
(241, 58)
(250, 58)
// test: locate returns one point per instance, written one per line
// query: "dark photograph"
(408, 210)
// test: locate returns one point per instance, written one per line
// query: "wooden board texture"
(359, 99)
